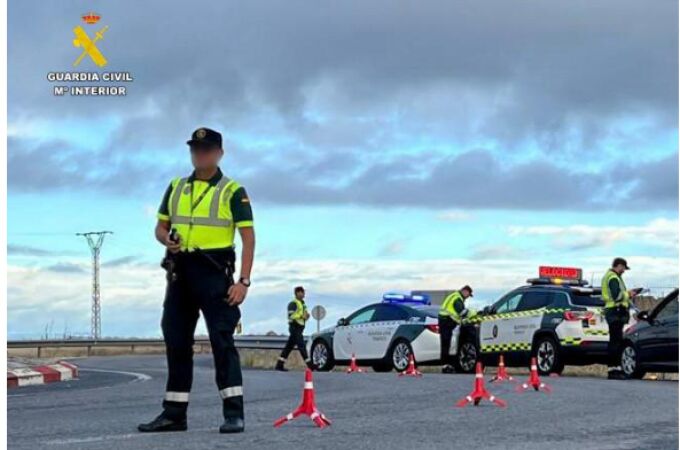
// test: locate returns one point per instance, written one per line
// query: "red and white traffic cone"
(480, 392)
(353, 366)
(307, 406)
(411, 370)
(534, 381)
(502, 374)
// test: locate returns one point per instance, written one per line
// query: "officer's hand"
(236, 294)
(172, 246)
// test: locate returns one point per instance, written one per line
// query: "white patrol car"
(384, 335)
(557, 317)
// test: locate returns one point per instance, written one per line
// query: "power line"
(95, 239)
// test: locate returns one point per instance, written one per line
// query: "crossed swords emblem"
(88, 45)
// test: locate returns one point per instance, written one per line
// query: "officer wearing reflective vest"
(451, 313)
(297, 317)
(197, 221)
(617, 301)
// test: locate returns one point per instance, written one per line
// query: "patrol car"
(556, 317)
(384, 335)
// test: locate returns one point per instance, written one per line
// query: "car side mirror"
(488, 310)
(342, 322)
(642, 315)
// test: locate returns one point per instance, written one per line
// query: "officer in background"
(451, 314)
(617, 301)
(297, 316)
(197, 221)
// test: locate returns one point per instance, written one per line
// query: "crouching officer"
(451, 314)
(297, 316)
(617, 302)
(197, 221)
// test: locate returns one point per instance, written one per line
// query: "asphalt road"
(370, 410)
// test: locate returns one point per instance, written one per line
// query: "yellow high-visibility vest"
(447, 309)
(208, 223)
(623, 298)
(298, 316)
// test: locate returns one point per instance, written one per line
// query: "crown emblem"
(91, 18)
(200, 133)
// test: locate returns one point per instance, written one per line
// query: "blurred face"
(619, 268)
(465, 293)
(300, 295)
(205, 157)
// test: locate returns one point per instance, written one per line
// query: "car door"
(383, 326)
(664, 346)
(494, 330)
(352, 338)
(524, 326)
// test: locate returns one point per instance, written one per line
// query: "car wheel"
(400, 354)
(466, 359)
(548, 358)
(322, 356)
(629, 362)
(381, 368)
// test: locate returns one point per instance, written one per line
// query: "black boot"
(232, 425)
(447, 369)
(279, 366)
(163, 423)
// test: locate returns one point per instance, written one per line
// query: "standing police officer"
(197, 221)
(297, 316)
(617, 302)
(451, 314)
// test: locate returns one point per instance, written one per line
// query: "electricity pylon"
(95, 239)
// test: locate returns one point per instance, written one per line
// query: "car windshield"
(586, 299)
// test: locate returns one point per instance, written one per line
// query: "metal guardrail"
(245, 342)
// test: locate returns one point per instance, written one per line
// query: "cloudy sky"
(385, 146)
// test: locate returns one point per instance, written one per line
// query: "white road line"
(138, 376)
(85, 440)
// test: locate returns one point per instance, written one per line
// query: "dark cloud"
(122, 261)
(25, 250)
(345, 91)
(65, 267)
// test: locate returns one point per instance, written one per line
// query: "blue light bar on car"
(392, 297)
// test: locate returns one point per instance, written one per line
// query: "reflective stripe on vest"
(623, 297)
(447, 309)
(210, 224)
(298, 316)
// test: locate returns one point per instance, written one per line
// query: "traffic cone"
(353, 366)
(480, 392)
(411, 370)
(534, 381)
(307, 406)
(502, 374)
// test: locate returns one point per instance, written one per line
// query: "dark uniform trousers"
(446, 327)
(295, 339)
(200, 285)
(617, 318)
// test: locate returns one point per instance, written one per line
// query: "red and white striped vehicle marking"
(25, 376)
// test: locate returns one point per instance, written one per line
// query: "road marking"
(85, 440)
(138, 376)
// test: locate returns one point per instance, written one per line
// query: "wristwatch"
(244, 281)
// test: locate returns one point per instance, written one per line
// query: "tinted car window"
(534, 300)
(583, 299)
(387, 312)
(669, 310)
(509, 303)
(362, 316)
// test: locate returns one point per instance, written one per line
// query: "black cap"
(467, 288)
(205, 136)
(618, 261)
(299, 289)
